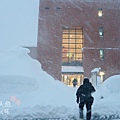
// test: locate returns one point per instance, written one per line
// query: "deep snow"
(38, 95)
(26, 91)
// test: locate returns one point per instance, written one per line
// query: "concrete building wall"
(55, 15)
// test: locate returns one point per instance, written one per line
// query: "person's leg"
(81, 105)
(88, 106)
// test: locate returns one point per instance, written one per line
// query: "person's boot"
(80, 113)
(88, 115)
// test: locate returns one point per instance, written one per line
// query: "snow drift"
(32, 93)
(22, 77)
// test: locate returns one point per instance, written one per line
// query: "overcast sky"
(18, 22)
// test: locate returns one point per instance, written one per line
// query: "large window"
(72, 44)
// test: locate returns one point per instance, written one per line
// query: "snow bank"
(109, 86)
(107, 97)
(16, 61)
(112, 83)
(17, 84)
(32, 93)
(22, 77)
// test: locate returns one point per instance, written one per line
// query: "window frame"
(77, 33)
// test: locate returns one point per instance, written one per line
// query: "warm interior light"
(65, 76)
(102, 73)
(100, 13)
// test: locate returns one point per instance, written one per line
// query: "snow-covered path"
(56, 113)
(29, 117)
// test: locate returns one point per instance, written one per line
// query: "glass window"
(78, 36)
(79, 51)
(65, 50)
(72, 36)
(65, 40)
(64, 59)
(78, 57)
(72, 31)
(71, 40)
(65, 35)
(72, 50)
(79, 40)
(78, 46)
(64, 46)
(101, 32)
(65, 31)
(100, 12)
(72, 44)
(78, 31)
(64, 55)
(101, 54)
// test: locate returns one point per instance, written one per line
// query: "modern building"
(77, 36)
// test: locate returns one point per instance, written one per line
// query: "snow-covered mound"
(16, 61)
(108, 87)
(112, 83)
(17, 84)
(21, 77)
(32, 93)
(107, 100)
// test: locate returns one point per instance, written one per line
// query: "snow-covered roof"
(72, 69)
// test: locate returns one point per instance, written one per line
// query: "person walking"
(83, 95)
(74, 82)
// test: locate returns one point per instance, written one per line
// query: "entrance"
(67, 78)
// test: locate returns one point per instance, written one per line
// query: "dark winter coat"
(74, 82)
(84, 92)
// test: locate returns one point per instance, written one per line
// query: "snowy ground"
(26, 91)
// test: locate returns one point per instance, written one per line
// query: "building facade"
(77, 36)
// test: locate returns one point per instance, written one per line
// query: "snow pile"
(32, 93)
(107, 98)
(16, 61)
(111, 85)
(22, 77)
(17, 84)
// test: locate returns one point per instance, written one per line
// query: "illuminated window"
(100, 12)
(101, 54)
(72, 44)
(101, 32)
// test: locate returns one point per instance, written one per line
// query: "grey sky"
(18, 22)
